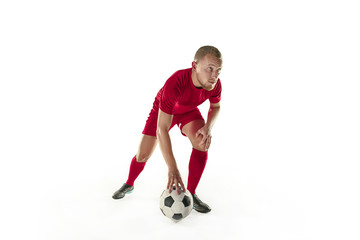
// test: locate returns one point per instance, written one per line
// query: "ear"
(194, 65)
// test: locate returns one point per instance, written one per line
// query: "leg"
(146, 148)
(197, 163)
(198, 156)
(190, 130)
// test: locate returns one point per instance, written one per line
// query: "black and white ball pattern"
(176, 206)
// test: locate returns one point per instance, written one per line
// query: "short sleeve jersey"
(179, 95)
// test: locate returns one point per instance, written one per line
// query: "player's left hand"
(205, 132)
(174, 179)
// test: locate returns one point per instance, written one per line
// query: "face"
(207, 71)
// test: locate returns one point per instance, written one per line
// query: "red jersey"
(179, 95)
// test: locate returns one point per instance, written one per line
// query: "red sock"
(135, 169)
(196, 167)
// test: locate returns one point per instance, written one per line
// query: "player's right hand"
(174, 178)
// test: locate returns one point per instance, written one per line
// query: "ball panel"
(163, 212)
(177, 197)
(177, 207)
(186, 201)
(177, 216)
(162, 203)
(187, 211)
(163, 195)
(167, 212)
(168, 201)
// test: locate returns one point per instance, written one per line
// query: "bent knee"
(201, 147)
(142, 157)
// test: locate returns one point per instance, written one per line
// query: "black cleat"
(126, 188)
(199, 205)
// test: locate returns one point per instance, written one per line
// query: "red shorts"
(180, 119)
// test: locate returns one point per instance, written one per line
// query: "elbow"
(212, 108)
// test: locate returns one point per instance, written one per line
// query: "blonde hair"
(204, 50)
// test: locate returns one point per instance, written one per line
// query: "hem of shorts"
(182, 125)
(149, 134)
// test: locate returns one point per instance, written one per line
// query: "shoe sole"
(116, 198)
(201, 211)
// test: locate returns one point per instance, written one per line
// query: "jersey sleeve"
(216, 93)
(171, 95)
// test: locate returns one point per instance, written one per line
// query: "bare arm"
(162, 132)
(211, 119)
(212, 115)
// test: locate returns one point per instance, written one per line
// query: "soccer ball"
(176, 206)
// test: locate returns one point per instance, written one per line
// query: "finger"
(177, 186)
(170, 184)
(197, 134)
(182, 186)
(203, 140)
(208, 142)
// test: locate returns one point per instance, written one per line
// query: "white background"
(78, 79)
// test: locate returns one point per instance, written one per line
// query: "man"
(176, 103)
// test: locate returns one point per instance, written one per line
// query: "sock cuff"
(199, 153)
(138, 163)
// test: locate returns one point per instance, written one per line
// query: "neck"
(195, 80)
